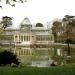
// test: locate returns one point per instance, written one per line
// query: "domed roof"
(26, 21)
(39, 25)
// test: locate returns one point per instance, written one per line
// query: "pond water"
(39, 57)
(43, 57)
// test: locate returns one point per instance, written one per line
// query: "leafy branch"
(13, 5)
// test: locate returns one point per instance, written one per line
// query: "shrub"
(7, 57)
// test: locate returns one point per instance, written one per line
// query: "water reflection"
(40, 57)
(43, 57)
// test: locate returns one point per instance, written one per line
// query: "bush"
(7, 57)
(58, 59)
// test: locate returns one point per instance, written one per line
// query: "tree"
(39, 25)
(13, 1)
(69, 27)
(56, 29)
(5, 22)
(7, 57)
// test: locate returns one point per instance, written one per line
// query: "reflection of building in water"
(28, 38)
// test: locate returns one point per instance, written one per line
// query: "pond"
(43, 57)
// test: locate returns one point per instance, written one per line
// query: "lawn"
(64, 70)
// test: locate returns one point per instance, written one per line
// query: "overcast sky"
(39, 10)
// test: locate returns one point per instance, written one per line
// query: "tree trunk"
(68, 49)
(55, 38)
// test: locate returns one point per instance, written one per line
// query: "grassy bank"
(64, 70)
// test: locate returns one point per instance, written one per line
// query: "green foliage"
(39, 25)
(56, 28)
(7, 57)
(68, 41)
(58, 59)
(70, 60)
(6, 21)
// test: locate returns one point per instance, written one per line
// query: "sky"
(38, 10)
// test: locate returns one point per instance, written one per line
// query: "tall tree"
(69, 27)
(56, 29)
(6, 22)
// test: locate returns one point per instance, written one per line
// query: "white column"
(23, 38)
(58, 52)
(18, 38)
(26, 37)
